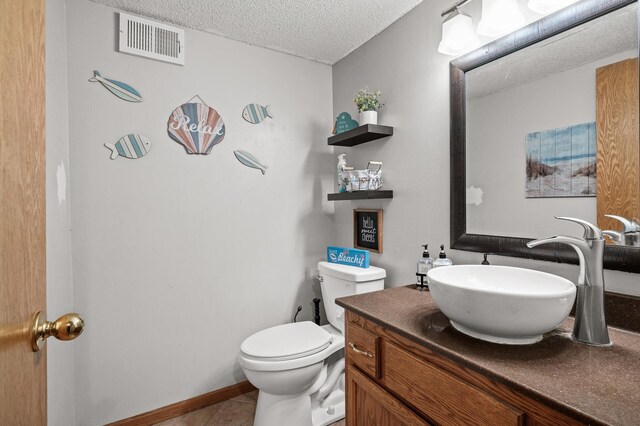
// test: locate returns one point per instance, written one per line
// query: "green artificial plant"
(367, 100)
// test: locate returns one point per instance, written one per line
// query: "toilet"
(299, 367)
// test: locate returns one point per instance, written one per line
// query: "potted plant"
(368, 103)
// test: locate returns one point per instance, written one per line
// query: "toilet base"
(282, 410)
(330, 411)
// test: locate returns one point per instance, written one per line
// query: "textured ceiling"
(614, 33)
(321, 30)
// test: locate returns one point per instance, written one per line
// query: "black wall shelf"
(362, 134)
(360, 195)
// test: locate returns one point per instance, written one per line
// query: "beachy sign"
(196, 126)
(347, 256)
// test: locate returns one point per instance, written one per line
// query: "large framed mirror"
(544, 123)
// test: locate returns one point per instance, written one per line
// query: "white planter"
(368, 117)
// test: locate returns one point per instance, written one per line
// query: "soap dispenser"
(425, 263)
(442, 259)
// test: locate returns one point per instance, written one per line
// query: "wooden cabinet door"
(368, 404)
(22, 210)
(618, 142)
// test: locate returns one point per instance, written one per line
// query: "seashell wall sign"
(196, 126)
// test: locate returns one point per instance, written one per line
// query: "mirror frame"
(615, 257)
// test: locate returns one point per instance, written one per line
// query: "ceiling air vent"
(143, 37)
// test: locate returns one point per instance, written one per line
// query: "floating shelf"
(362, 134)
(360, 195)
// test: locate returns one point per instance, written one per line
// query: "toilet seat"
(287, 341)
(289, 346)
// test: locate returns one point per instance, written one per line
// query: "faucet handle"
(615, 236)
(591, 232)
(629, 225)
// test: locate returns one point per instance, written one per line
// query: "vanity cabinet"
(392, 380)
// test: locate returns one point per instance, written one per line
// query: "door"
(22, 210)
(618, 142)
(369, 404)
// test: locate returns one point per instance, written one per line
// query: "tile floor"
(237, 411)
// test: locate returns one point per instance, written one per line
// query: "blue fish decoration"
(131, 146)
(118, 88)
(344, 123)
(250, 161)
(254, 113)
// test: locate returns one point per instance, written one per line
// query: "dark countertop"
(598, 385)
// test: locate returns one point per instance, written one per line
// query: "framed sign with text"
(367, 229)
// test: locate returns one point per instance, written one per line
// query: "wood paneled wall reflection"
(618, 142)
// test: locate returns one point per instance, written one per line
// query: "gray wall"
(404, 63)
(60, 356)
(178, 258)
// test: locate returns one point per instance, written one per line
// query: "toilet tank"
(342, 280)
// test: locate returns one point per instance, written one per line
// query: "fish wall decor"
(131, 146)
(196, 126)
(118, 88)
(250, 161)
(254, 113)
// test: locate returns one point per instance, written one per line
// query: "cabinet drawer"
(362, 349)
(442, 397)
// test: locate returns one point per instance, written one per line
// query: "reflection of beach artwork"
(562, 162)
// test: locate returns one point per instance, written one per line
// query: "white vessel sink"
(501, 304)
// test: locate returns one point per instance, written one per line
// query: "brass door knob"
(67, 327)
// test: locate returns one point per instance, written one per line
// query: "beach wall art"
(561, 162)
(196, 126)
(256, 113)
(131, 146)
(118, 88)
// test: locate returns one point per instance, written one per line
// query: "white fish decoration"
(130, 146)
(254, 113)
(118, 88)
(250, 161)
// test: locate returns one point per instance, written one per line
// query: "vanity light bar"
(454, 7)
(499, 17)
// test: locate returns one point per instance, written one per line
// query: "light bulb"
(500, 17)
(458, 36)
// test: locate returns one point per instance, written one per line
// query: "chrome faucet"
(590, 325)
(630, 234)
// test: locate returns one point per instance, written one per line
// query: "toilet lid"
(287, 341)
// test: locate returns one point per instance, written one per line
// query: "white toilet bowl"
(300, 382)
(287, 370)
